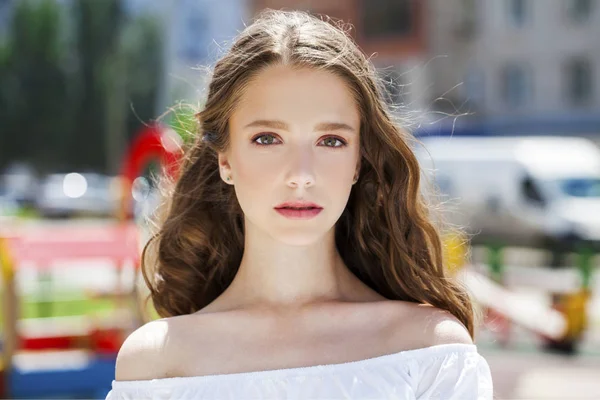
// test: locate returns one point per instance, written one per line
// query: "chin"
(298, 237)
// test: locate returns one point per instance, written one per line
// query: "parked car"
(19, 184)
(77, 194)
(8, 204)
(518, 190)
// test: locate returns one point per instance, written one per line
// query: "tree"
(34, 92)
(77, 83)
(120, 68)
(143, 49)
(98, 26)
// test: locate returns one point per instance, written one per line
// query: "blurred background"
(504, 95)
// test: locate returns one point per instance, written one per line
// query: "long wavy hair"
(385, 235)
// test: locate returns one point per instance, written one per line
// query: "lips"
(299, 205)
(299, 210)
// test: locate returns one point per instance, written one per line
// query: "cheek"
(337, 171)
(252, 169)
(336, 174)
(339, 167)
(254, 175)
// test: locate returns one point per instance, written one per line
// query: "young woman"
(297, 258)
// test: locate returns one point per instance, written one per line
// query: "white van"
(528, 191)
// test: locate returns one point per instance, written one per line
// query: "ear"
(225, 168)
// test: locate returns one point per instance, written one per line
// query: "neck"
(275, 275)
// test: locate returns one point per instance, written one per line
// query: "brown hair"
(385, 235)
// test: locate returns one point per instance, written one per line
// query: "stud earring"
(228, 178)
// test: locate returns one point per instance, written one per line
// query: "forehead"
(297, 95)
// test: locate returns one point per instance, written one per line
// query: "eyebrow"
(323, 126)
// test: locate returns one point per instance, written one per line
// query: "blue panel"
(92, 381)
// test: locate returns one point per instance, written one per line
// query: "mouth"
(299, 210)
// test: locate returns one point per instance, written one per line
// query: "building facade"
(521, 66)
(197, 32)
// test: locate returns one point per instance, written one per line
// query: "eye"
(333, 141)
(264, 140)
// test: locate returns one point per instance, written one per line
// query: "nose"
(301, 168)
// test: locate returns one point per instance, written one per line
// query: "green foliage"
(98, 26)
(182, 119)
(77, 83)
(34, 92)
(143, 49)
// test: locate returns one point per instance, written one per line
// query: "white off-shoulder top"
(453, 371)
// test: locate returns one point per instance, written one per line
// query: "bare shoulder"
(443, 327)
(423, 325)
(142, 355)
(160, 348)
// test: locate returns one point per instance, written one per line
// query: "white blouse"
(453, 371)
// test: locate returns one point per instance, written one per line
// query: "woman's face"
(294, 137)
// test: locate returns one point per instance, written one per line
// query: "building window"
(516, 85)
(468, 17)
(579, 10)
(579, 82)
(387, 18)
(474, 85)
(194, 31)
(518, 12)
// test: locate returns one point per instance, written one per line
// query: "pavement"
(525, 374)
(522, 369)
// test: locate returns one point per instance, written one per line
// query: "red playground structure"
(74, 356)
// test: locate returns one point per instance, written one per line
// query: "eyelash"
(342, 141)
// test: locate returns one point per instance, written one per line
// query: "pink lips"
(299, 210)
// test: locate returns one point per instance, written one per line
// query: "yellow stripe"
(6, 263)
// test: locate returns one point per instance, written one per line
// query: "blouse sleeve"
(139, 391)
(459, 375)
